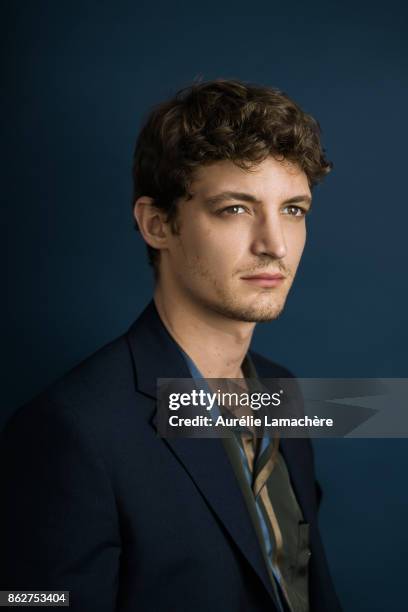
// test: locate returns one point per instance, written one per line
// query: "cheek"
(296, 241)
(213, 248)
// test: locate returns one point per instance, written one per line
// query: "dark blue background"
(80, 77)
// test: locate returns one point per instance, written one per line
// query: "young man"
(96, 503)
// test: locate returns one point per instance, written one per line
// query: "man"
(94, 501)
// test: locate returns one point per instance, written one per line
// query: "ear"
(151, 222)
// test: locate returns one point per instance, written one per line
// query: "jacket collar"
(155, 353)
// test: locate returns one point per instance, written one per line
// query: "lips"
(264, 280)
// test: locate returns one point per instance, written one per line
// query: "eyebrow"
(247, 197)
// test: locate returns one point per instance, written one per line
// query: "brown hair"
(220, 120)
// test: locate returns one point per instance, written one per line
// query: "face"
(241, 236)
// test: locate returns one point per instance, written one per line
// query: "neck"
(215, 343)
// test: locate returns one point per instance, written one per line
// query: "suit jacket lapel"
(156, 355)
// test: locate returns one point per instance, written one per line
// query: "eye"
(233, 210)
(295, 211)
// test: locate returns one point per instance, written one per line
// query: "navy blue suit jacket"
(94, 502)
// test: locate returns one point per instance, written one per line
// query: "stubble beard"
(264, 310)
(265, 307)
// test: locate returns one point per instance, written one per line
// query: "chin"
(251, 314)
(261, 316)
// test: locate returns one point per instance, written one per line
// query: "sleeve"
(58, 519)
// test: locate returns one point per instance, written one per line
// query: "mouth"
(264, 279)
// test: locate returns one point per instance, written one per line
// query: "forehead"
(266, 180)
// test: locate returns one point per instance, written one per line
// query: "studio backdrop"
(79, 79)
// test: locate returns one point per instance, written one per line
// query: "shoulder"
(88, 398)
(110, 366)
(103, 378)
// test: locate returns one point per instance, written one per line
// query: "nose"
(269, 238)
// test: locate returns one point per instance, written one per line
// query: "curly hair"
(220, 120)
